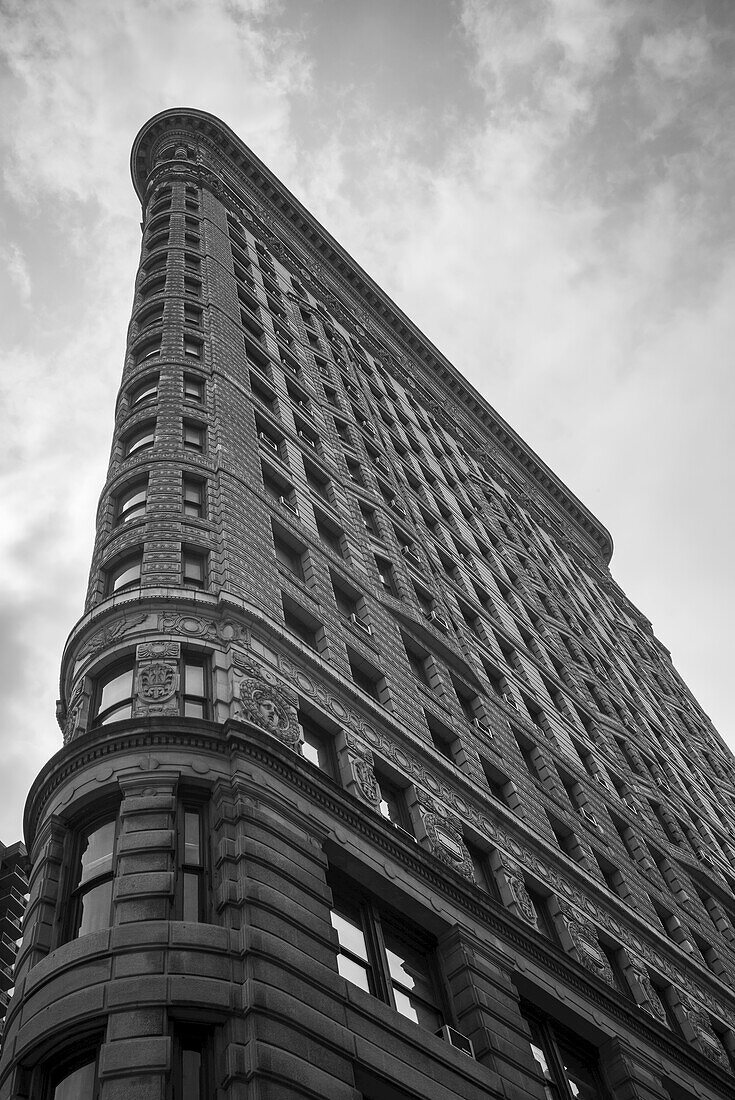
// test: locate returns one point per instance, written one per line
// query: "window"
(193, 568)
(386, 576)
(317, 481)
(544, 919)
(301, 623)
(123, 573)
(194, 687)
(147, 390)
(480, 868)
(114, 694)
(442, 738)
(194, 497)
(194, 388)
(192, 849)
(151, 316)
(385, 954)
(139, 439)
(192, 315)
(567, 1065)
(192, 286)
(131, 501)
(330, 534)
(192, 347)
(393, 804)
(147, 350)
(419, 662)
(367, 677)
(370, 522)
(193, 436)
(190, 1070)
(75, 1081)
(91, 899)
(317, 745)
(288, 554)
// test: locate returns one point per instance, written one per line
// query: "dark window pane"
(191, 896)
(77, 1085)
(191, 1075)
(96, 908)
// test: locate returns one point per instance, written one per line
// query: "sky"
(545, 187)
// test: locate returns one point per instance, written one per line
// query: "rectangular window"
(367, 677)
(192, 347)
(91, 897)
(114, 693)
(190, 833)
(386, 576)
(194, 687)
(194, 388)
(194, 497)
(124, 573)
(385, 954)
(301, 623)
(393, 805)
(317, 745)
(194, 436)
(130, 503)
(289, 554)
(193, 568)
(567, 1065)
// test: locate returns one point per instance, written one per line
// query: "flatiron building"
(374, 785)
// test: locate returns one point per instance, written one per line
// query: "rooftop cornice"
(346, 272)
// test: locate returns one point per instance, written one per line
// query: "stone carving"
(270, 706)
(149, 651)
(514, 877)
(586, 944)
(156, 682)
(74, 713)
(651, 1002)
(111, 633)
(701, 1027)
(195, 626)
(361, 764)
(444, 834)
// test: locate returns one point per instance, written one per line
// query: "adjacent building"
(13, 896)
(374, 784)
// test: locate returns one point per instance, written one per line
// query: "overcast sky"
(545, 186)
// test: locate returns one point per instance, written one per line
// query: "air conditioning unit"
(631, 806)
(266, 439)
(439, 621)
(307, 439)
(287, 504)
(360, 624)
(397, 506)
(589, 816)
(456, 1039)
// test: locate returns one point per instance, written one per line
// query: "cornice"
(344, 271)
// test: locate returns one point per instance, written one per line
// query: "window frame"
(192, 804)
(131, 490)
(551, 1038)
(81, 888)
(189, 553)
(106, 676)
(59, 1067)
(188, 482)
(141, 437)
(117, 565)
(376, 918)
